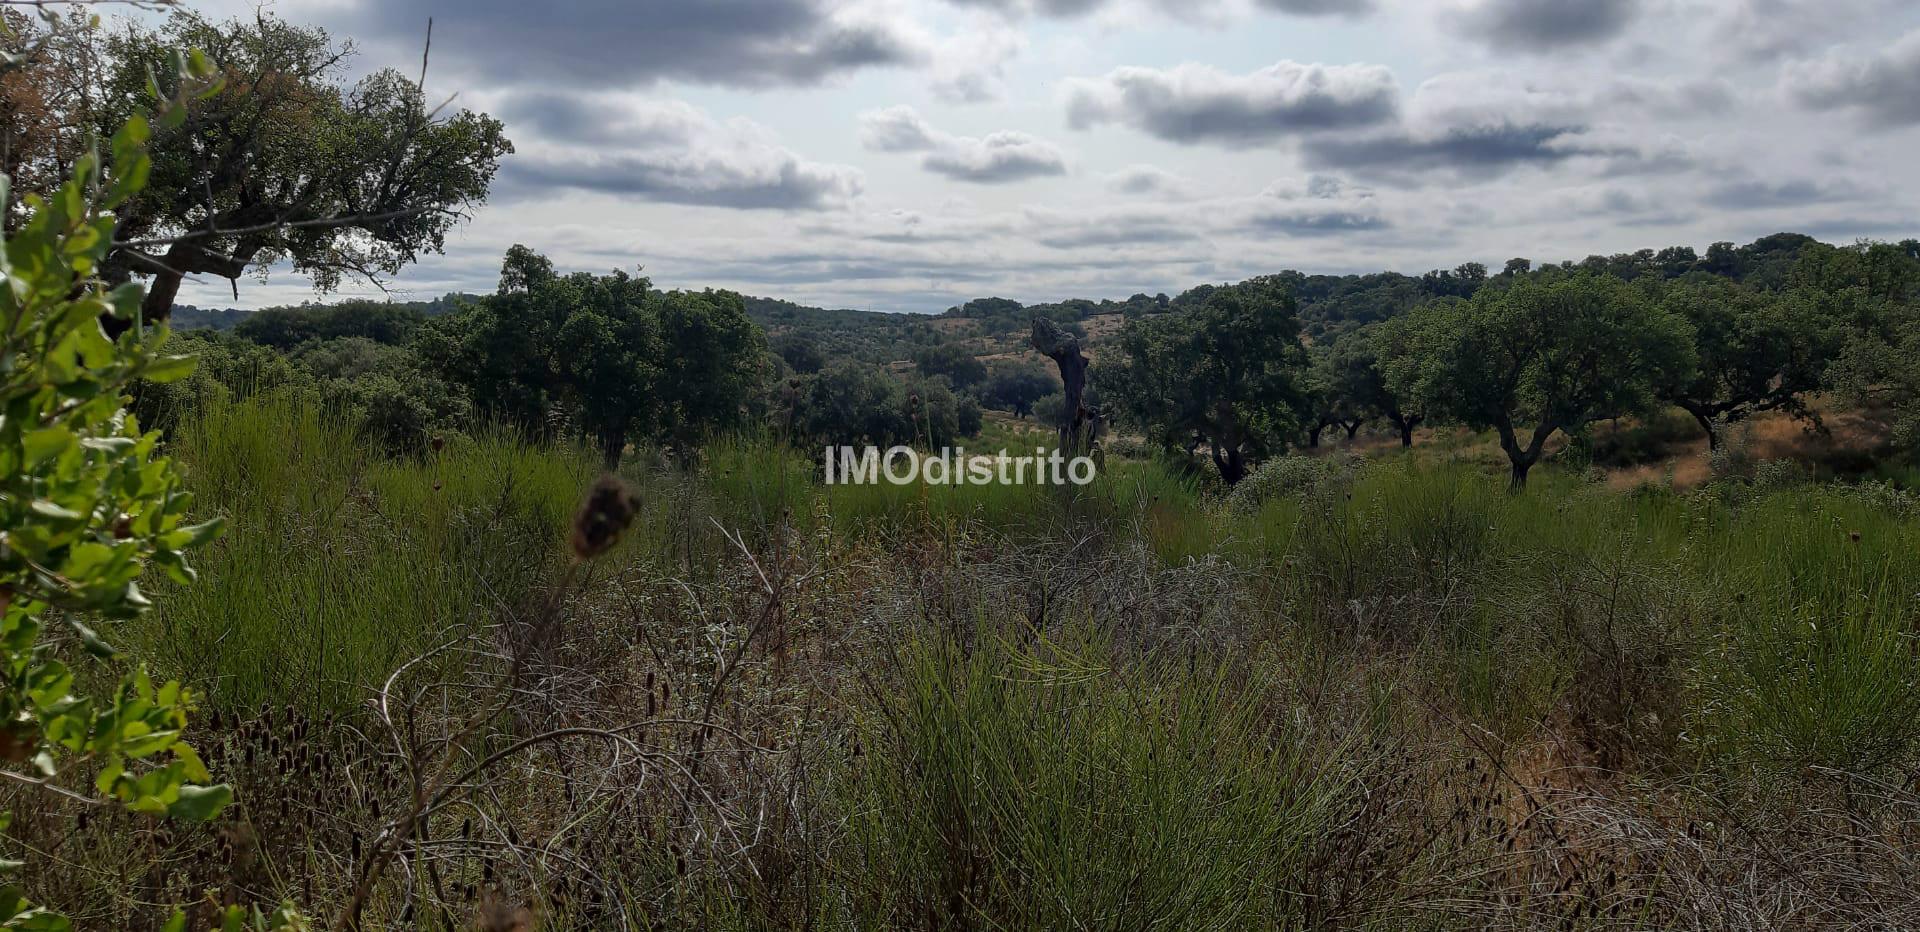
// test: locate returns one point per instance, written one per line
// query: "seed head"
(606, 514)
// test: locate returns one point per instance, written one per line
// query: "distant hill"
(996, 328)
(1330, 305)
(867, 336)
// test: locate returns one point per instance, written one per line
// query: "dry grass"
(1404, 699)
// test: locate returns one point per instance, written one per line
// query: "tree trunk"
(1352, 429)
(1522, 459)
(1231, 463)
(1520, 468)
(1313, 436)
(1406, 433)
(1076, 434)
(166, 272)
(613, 445)
(1706, 424)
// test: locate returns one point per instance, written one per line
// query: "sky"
(909, 155)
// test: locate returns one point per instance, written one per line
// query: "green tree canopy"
(1554, 351)
(288, 327)
(952, 360)
(1365, 359)
(1016, 387)
(1334, 391)
(286, 163)
(618, 359)
(853, 404)
(1227, 372)
(1756, 351)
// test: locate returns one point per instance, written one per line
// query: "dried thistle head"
(496, 914)
(606, 514)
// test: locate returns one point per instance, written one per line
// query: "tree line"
(1528, 354)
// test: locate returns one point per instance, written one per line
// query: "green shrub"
(1284, 476)
(87, 506)
(1042, 788)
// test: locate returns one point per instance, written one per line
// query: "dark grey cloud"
(1106, 229)
(1323, 206)
(1353, 8)
(1543, 25)
(1882, 88)
(786, 185)
(1480, 125)
(1071, 8)
(1099, 236)
(663, 151)
(1316, 222)
(997, 158)
(1198, 104)
(1473, 151)
(601, 43)
(557, 117)
(1758, 194)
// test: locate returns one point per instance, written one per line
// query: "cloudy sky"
(912, 154)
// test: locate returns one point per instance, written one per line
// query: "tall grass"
(1041, 787)
(1131, 704)
(340, 563)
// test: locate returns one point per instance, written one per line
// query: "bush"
(226, 369)
(1009, 789)
(1635, 443)
(1016, 388)
(1292, 476)
(852, 404)
(88, 507)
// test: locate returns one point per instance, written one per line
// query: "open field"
(1389, 696)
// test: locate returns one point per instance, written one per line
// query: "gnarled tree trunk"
(1082, 423)
(1405, 423)
(1521, 458)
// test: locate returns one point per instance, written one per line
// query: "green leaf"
(90, 640)
(108, 778)
(173, 116)
(131, 136)
(125, 300)
(169, 369)
(196, 535)
(42, 445)
(201, 803)
(54, 512)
